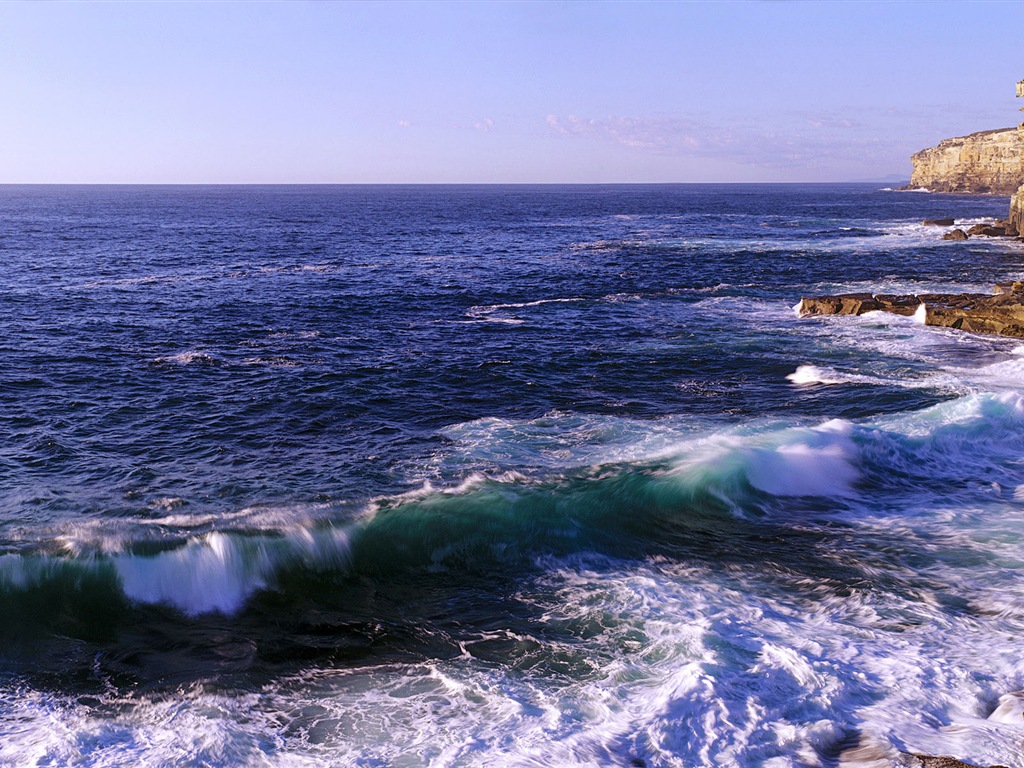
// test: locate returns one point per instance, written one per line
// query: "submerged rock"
(996, 229)
(1015, 287)
(939, 761)
(939, 222)
(906, 304)
(873, 753)
(956, 234)
(1001, 313)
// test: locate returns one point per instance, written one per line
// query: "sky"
(496, 92)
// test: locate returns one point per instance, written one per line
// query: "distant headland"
(987, 162)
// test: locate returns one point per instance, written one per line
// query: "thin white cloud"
(798, 140)
(484, 125)
(404, 124)
(819, 121)
(669, 135)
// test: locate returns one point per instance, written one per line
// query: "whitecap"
(812, 374)
(190, 357)
(219, 572)
(486, 312)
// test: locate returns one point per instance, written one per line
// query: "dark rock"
(843, 304)
(1015, 287)
(939, 222)
(956, 234)
(939, 761)
(1001, 314)
(989, 230)
(1016, 219)
(872, 753)
(955, 300)
(899, 305)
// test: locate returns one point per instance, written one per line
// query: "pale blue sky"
(283, 92)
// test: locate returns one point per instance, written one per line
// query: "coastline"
(1000, 313)
(987, 163)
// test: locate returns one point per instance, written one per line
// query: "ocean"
(502, 476)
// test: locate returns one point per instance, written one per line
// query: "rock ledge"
(1001, 313)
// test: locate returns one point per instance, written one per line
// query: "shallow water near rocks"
(523, 476)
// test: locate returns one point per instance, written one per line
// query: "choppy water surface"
(522, 476)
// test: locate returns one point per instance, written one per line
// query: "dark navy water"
(501, 475)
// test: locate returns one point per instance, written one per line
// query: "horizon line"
(432, 183)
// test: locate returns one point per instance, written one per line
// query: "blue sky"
(392, 92)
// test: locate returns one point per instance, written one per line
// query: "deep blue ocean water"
(502, 475)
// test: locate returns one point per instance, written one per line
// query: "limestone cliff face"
(1017, 201)
(1017, 211)
(989, 162)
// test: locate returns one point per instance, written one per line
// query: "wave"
(487, 313)
(703, 491)
(482, 524)
(813, 374)
(189, 357)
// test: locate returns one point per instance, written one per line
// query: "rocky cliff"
(1017, 211)
(1017, 201)
(989, 162)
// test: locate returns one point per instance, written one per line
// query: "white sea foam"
(219, 572)
(487, 313)
(777, 459)
(790, 462)
(813, 374)
(1005, 374)
(501, 320)
(903, 352)
(1010, 709)
(626, 660)
(921, 314)
(629, 659)
(803, 470)
(271, 362)
(180, 521)
(168, 279)
(190, 357)
(167, 503)
(900, 285)
(210, 574)
(651, 653)
(617, 298)
(562, 440)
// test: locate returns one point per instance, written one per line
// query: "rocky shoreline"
(1000, 228)
(987, 162)
(1000, 313)
(983, 163)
